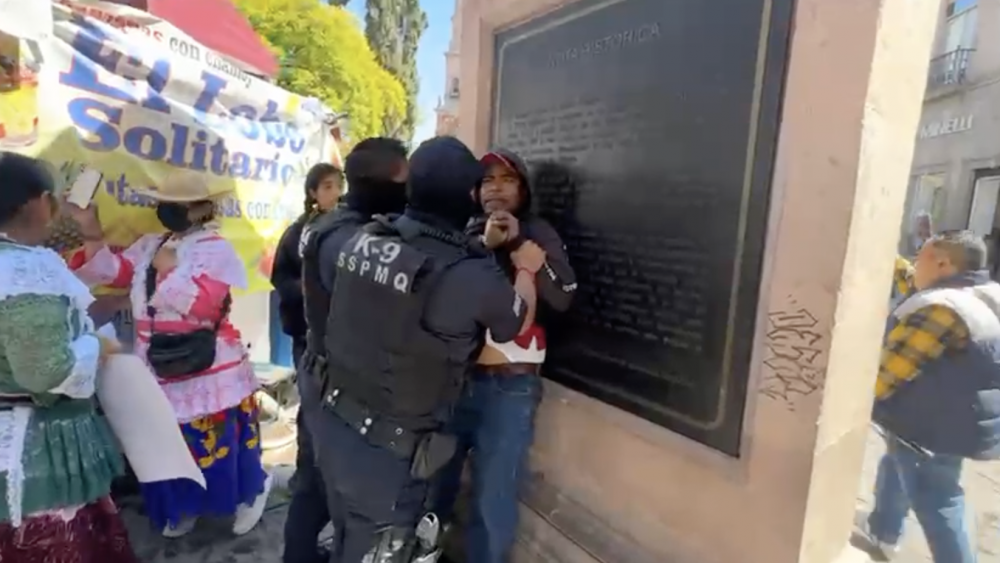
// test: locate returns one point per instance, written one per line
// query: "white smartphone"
(84, 187)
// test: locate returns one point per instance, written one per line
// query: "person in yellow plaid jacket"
(937, 393)
(924, 336)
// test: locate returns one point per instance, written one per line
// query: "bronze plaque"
(650, 127)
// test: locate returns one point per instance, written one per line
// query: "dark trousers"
(367, 489)
(495, 420)
(307, 511)
(298, 351)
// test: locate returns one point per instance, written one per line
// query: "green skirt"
(70, 458)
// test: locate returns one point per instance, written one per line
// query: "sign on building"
(945, 127)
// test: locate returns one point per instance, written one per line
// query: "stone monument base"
(733, 222)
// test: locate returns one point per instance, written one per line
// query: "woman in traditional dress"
(183, 313)
(57, 455)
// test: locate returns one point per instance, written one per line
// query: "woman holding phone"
(57, 453)
(181, 283)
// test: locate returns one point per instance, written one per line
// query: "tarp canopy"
(130, 95)
(218, 25)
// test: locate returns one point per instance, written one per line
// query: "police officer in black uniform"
(376, 173)
(411, 297)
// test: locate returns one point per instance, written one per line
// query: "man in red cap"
(495, 417)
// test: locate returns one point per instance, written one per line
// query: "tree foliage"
(394, 28)
(324, 54)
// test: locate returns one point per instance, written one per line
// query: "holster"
(434, 451)
(314, 365)
(428, 450)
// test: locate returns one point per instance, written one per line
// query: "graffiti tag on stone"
(793, 366)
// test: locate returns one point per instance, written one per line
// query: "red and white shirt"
(527, 348)
(188, 297)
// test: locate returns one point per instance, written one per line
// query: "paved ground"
(982, 486)
(213, 543)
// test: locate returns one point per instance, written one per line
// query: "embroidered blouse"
(56, 452)
(187, 298)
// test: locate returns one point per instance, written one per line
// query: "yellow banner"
(115, 99)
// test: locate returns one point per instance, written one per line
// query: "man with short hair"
(376, 171)
(920, 232)
(937, 394)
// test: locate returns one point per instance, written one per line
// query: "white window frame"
(968, 20)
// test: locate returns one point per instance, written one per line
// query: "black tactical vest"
(379, 350)
(316, 297)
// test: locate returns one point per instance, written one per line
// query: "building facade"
(447, 108)
(956, 162)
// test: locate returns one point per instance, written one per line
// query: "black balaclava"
(370, 187)
(443, 174)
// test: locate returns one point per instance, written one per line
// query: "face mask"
(377, 197)
(174, 216)
(395, 199)
(460, 210)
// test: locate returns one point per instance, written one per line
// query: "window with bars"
(950, 64)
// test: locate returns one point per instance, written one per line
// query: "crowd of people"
(416, 289)
(57, 453)
(415, 300)
(418, 305)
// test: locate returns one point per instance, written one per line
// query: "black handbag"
(177, 355)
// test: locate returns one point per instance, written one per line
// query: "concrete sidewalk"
(212, 542)
(982, 488)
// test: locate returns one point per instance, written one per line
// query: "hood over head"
(511, 160)
(443, 175)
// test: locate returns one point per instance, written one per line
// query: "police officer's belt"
(378, 431)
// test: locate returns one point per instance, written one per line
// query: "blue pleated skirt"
(226, 445)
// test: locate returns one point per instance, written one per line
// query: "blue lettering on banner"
(195, 140)
(230, 207)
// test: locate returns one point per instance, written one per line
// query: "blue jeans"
(495, 420)
(930, 486)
